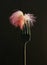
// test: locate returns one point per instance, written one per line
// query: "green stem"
(25, 45)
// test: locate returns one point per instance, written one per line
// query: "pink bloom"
(18, 19)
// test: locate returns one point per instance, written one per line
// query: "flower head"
(30, 18)
(18, 19)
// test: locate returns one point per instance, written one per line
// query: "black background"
(11, 42)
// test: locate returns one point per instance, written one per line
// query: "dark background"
(11, 41)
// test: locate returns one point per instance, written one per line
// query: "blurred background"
(11, 40)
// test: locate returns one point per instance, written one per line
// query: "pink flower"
(18, 19)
